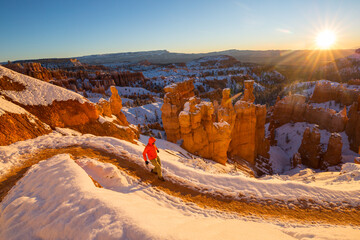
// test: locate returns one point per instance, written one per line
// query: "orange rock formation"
(324, 92)
(248, 92)
(248, 136)
(206, 130)
(214, 130)
(19, 126)
(174, 100)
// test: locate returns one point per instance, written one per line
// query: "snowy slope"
(37, 92)
(289, 137)
(136, 115)
(57, 200)
(129, 91)
(6, 106)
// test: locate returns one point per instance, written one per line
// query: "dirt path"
(245, 207)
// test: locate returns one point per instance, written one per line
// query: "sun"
(325, 39)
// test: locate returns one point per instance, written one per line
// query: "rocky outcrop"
(248, 136)
(310, 149)
(59, 107)
(7, 83)
(325, 91)
(205, 129)
(174, 100)
(312, 155)
(115, 101)
(214, 130)
(332, 155)
(70, 113)
(293, 108)
(18, 125)
(112, 107)
(353, 126)
(248, 92)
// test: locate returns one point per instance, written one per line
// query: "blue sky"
(62, 28)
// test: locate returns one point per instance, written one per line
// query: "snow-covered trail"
(245, 207)
(342, 189)
(58, 200)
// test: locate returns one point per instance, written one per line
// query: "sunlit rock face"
(17, 124)
(248, 135)
(205, 129)
(174, 100)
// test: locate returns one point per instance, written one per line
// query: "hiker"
(151, 150)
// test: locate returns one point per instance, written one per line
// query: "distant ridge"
(272, 57)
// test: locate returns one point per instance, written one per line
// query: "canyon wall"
(325, 91)
(58, 107)
(293, 108)
(77, 77)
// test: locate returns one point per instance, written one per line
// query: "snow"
(57, 200)
(174, 169)
(148, 113)
(289, 137)
(6, 106)
(279, 159)
(329, 105)
(9, 107)
(37, 92)
(128, 91)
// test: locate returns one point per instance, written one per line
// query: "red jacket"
(150, 149)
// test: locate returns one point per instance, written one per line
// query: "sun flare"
(325, 39)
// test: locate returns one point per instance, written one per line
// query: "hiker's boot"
(161, 179)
